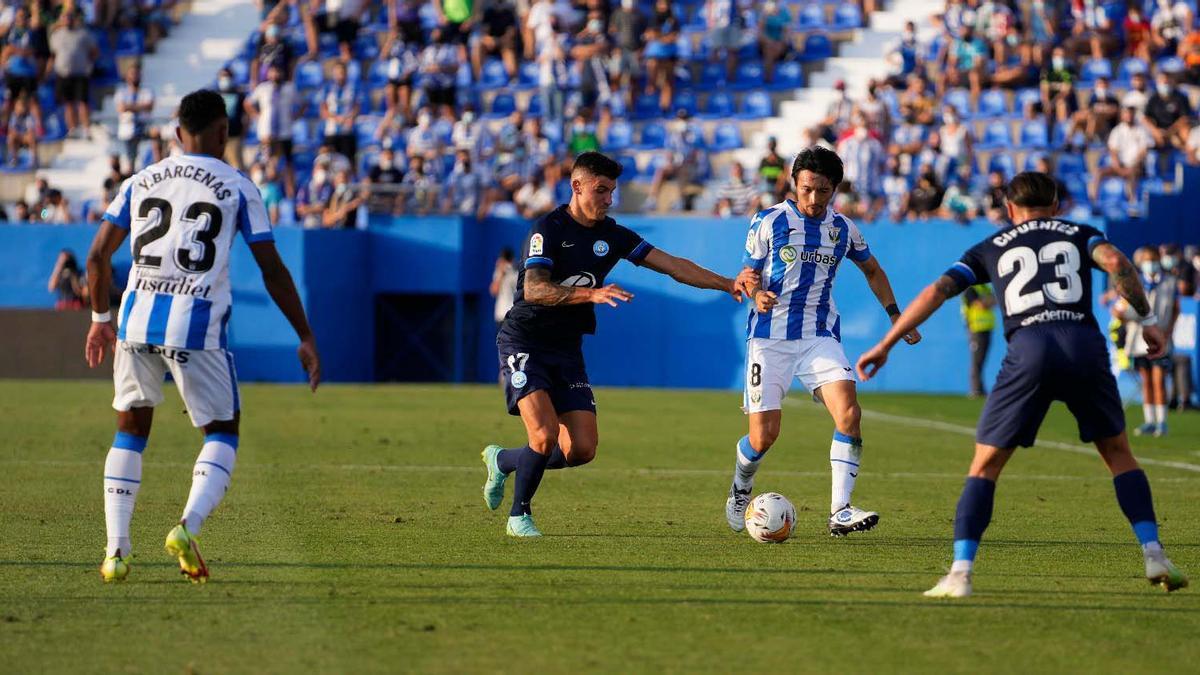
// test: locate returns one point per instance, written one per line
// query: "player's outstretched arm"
(101, 337)
(914, 315)
(877, 279)
(282, 289)
(687, 272)
(540, 290)
(1125, 281)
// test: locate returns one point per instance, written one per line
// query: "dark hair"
(821, 161)
(1032, 189)
(200, 109)
(506, 253)
(598, 164)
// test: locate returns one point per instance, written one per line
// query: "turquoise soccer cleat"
(186, 549)
(522, 526)
(493, 488)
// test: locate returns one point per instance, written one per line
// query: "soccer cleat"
(735, 508)
(522, 526)
(851, 519)
(953, 585)
(186, 549)
(1160, 430)
(114, 568)
(1162, 572)
(1146, 429)
(493, 488)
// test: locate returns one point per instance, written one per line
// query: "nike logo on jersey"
(568, 245)
(846, 369)
(854, 475)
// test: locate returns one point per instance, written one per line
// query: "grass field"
(354, 539)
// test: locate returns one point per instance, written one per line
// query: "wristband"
(101, 317)
(892, 310)
(1150, 319)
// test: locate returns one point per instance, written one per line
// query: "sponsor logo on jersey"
(818, 257)
(536, 244)
(519, 380)
(1053, 315)
(600, 248)
(581, 280)
(171, 286)
(788, 254)
(179, 356)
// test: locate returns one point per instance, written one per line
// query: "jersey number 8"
(1066, 289)
(203, 238)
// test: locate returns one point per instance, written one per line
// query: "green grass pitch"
(354, 539)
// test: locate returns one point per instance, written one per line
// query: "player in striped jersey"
(794, 331)
(180, 216)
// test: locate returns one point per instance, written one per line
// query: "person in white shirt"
(1128, 144)
(272, 106)
(134, 103)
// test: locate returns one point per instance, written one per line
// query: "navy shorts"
(559, 372)
(1065, 362)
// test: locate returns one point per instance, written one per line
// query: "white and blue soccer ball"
(770, 518)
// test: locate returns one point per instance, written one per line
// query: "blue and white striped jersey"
(181, 214)
(798, 258)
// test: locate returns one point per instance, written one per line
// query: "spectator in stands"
(21, 213)
(875, 110)
(503, 288)
(536, 197)
(908, 139)
(423, 141)
(958, 204)
(590, 53)
(1100, 116)
(926, 196)
(456, 18)
(1059, 102)
(537, 148)
(93, 210)
(56, 209)
(837, 116)
(1171, 24)
(1192, 147)
(1138, 34)
(342, 209)
(22, 134)
(314, 195)
(553, 78)
(1128, 144)
(772, 172)
(439, 69)
(235, 110)
(919, 99)
(662, 53)
(470, 134)
(1137, 95)
(273, 51)
(993, 22)
(774, 37)
(895, 190)
(383, 179)
(1021, 69)
(582, 136)
(627, 28)
(464, 186)
(1167, 116)
(991, 205)
(863, 161)
(956, 142)
(20, 64)
(343, 18)
(67, 283)
(736, 197)
(682, 165)
(266, 177)
(903, 56)
(404, 18)
(272, 105)
(420, 187)
(339, 110)
(134, 104)
(1093, 32)
(723, 21)
(966, 64)
(402, 60)
(498, 37)
(849, 201)
(74, 54)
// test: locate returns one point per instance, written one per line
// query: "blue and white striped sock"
(122, 478)
(210, 479)
(845, 454)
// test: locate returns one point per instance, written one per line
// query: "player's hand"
(765, 300)
(609, 295)
(1156, 342)
(734, 290)
(101, 338)
(311, 361)
(871, 362)
(747, 280)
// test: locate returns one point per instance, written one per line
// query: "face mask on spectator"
(257, 176)
(1059, 62)
(1101, 90)
(860, 133)
(1149, 268)
(320, 176)
(1168, 262)
(385, 163)
(627, 4)
(468, 117)
(341, 188)
(595, 26)
(225, 83)
(909, 35)
(272, 32)
(1163, 88)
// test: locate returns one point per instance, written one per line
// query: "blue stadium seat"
(620, 137)
(301, 135)
(527, 75)
(377, 76)
(1132, 66)
(1026, 97)
(309, 75)
(726, 137)
(366, 47)
(718, 105)
(55, 128)
(685, 100)
(816, 47)
(130, 42)
(712, 75)
(657, 161)
(1034, 134)
(1153, 186)
(1070, 163)
(534, 109)
(364, 128)
(996, 135)
(1002, 163)
(1112, 191)
(755, 105)
(492, 74)
(749, 75)
(812, 17)
(503, 104)
(1077, 185)
(654, 136)
(645, 107)
(629, 167)
(1094, 69)
(1170, 64)
(847, 17)
(992, 103)
(960, 99)
(327, 45)
(788, 75)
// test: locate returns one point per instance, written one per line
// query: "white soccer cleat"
(735, 508)
(851, 519)
(953, 585)
(1160, 571)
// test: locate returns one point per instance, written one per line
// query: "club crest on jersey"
(835, 233)
(600, 248)
(519, 380)
(788, 254)
(536, 244)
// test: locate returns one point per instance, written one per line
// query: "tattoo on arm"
(539, 290)
(1125, 280)
(947, 286)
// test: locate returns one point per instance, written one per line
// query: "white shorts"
(771, 365)
(206, 380)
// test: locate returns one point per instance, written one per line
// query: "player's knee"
(849, 418)
(762, 439)
(543, 440)
(581, 453)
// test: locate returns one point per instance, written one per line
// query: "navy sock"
(507, 460)
(557, 459)
(530, 468)
(1133, 494)
(972, 517)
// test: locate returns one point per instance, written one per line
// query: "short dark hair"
(506, 253)
(821, 161)
(200, 109)
(598, 164)
(1032, 189)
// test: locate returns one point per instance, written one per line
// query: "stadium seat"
(301, 135)
(685, 100)
(1132, 66)
(788, 75)
(996, 135)
(960, 99)
(366, 47)
(1094, 69)
(364, 128)
(645, 107)
(1034, 134)
(992, 103)
(629, 167)
(712, 75)
(240, 69)
(718, 105)
(1170, 64)
(755, 105)
(309, 75)
(527, 75)
(654, 136)
(1152, 186)
(812, 17)
(1025, 98)
(1002, 163)
(657, 161)
(534, 109)
(816, 47)
(55, 128)
(847, 17)
(130, 42)
(1070, 163)
(493, 75)
(503, 104)
(377, 76)
(327, 45)
(749, 75)
(1077, 184)
(620, 137)
(726, 137)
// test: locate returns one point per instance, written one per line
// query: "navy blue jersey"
(576, 256)
(1040, 270)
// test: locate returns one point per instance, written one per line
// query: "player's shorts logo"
(581, 280)
(756, 397)
(600, 248)
(519, 380)
(788, 254)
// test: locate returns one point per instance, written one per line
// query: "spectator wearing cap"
(20, 63)
(235, 110)
(662, 52)
(339, 110)
(1167, 116)
(498, 36)
(73, 57)
(272, 105)
(402, 61)
(1128, 144)
(736, 197)
(627, 29)
(774, 38)
(314, 196)
(134, 103)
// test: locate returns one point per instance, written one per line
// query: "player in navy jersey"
(568, 254)
(181, 216)
(1041, 268)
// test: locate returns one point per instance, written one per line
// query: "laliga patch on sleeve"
(750, 242)
(535, 244)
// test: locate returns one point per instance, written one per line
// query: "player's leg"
(1149, 412)
(578, 438)
(769, 368)
(1134, 498)
(529, 463)
(1158, 384)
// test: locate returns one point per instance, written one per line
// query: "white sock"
(962, 566)
(1151, 547)
(1160, 413)
(122, 478)
(845, 454)
(1149, 413)
(748, 460)
(210, 479)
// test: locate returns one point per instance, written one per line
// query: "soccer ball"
(770, 518)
